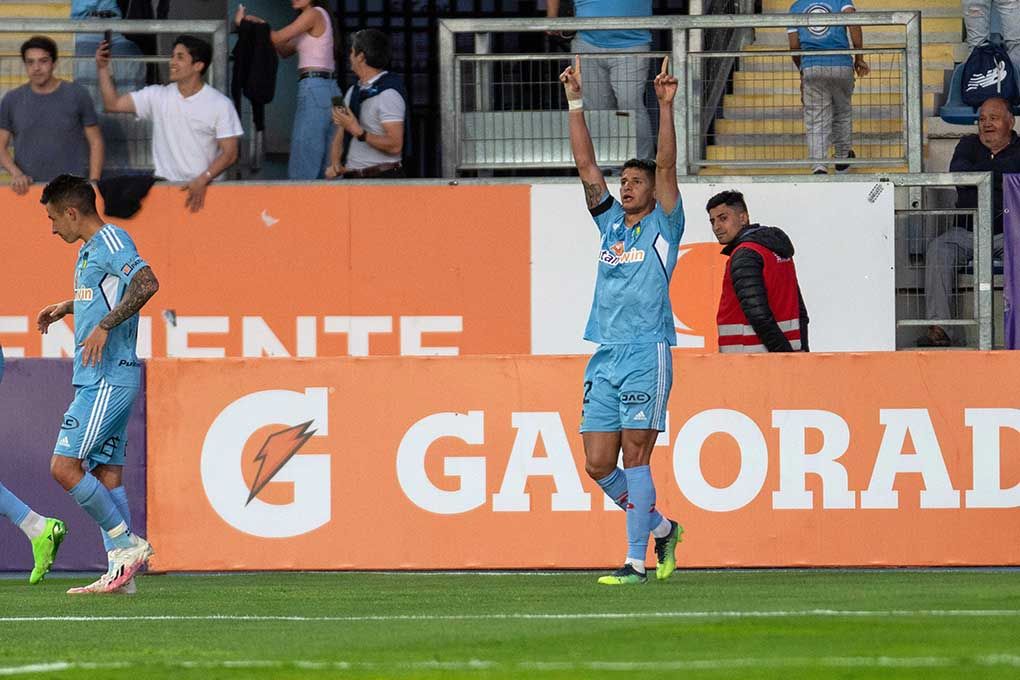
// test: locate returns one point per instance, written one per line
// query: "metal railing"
(484, 128)
(127, 140)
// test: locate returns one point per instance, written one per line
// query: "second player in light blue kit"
(111, 283)
(627, 381)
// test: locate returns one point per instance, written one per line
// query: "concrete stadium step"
(937, 30)
(796, 152)
(784, 126)
(35, 10)
(745, 170)
(877, 105)
(929, 8)
(755, 115)
(799, 140)
(930, 78)
(764, 86)
(934, 56)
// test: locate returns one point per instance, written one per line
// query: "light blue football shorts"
(627, 387)
(95, 425)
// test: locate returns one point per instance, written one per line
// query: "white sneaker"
(819, 170)
(99, 586)
(125, 562)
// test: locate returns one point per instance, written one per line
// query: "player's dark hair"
(375, 45)
(731, 199)
(70, 191)
(641, 164)
(199, 49)
(39, 42)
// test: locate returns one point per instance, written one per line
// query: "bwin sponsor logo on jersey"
(83, 294)
(616, 255)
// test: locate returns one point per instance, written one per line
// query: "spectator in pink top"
(310, 36)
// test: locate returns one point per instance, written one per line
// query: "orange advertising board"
(475, 462)
(300, 270)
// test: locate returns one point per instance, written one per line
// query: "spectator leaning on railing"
(995, 148)
(310, 36)
(615, 81)
(827, 81)
(52, 121)
(195, 128)
(372, 122)
(977, 17)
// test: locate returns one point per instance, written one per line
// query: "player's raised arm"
(580, 139)
(666, 188)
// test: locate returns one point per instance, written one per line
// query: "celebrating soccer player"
(111, 283)
(627, 381)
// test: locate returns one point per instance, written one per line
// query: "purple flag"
(1011, 257)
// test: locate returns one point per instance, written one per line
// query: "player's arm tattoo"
(593, 193)
(142, 287)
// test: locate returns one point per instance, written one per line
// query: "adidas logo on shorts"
(640, 416)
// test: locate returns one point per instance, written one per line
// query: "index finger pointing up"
(665, 66)
(577, 64)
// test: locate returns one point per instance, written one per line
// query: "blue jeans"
(313, 128)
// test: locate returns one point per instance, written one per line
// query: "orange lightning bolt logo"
(279, 448)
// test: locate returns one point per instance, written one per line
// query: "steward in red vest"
(761, 308)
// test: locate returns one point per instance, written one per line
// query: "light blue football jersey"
(634, 269)
(106, 264)
(619, 39)
(822, 37)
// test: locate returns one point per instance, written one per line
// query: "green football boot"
(665, 552)
(44, 548)
(624, 576)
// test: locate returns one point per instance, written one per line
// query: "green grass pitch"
(831, 624)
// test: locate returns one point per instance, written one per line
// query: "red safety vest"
(735, 334)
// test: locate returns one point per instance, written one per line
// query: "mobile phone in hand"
(338, 102)
(108, 37)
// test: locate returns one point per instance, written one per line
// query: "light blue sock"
(12, 507)
(120, 499)
(615, 486)
(95, 499)
(640, 505)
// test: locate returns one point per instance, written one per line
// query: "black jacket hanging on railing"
(254, 72)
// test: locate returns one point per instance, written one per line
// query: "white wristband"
(575, 104)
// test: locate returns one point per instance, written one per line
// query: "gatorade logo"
(299, 416)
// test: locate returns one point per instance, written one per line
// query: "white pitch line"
(592, 616)
(993, 660)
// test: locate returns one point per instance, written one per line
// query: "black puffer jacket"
(746, 268)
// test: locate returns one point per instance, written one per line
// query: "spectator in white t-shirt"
(195, 128)
(371, 126)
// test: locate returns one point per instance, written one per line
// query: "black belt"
(105, 14)
(316, 74)
(372, 171)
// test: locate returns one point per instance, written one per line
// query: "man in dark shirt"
(995, 148)
(52, 123)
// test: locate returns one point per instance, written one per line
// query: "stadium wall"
(872, 459)
(33, 398)
(432, 269)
